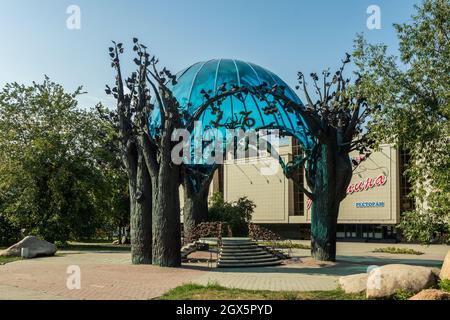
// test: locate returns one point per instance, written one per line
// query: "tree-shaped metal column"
(328, 129)
(210, 79)
(231, 95)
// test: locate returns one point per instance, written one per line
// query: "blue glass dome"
(248, 113)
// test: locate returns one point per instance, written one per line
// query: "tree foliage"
(414, 91)
(237, 214)
(54, 178)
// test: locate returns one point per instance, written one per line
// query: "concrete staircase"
(244, 252)
(188, 249)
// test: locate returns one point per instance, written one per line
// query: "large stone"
(33, 247)
(445, 270)
(431, 294)
(386, 280)
(355, 283)
(125, 240)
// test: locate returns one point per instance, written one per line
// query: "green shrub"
(9, 234)
(444, 285)
(288, 295)
(237, 214)
(394, 250)
(285, 245)
(61, 244)
(402, 295)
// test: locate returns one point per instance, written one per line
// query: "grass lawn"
(394, 250)
(217, 292)
(5, 260)
(95, 246)
(285, 245)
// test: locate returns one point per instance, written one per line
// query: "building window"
(368, 231)
(299, 198)
(340, 231)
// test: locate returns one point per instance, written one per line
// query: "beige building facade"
(370, 211)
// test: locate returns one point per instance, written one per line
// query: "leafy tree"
(116, 209)
(53, 184)
(9, 233)
(116, 212)
(414, 91)
(237, 214)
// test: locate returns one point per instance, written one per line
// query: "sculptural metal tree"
(128, 120)
(335, 121)
(154, 179)
(196, 186)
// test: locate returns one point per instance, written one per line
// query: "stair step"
(244, 252)
(240, 265)
(244, 260)
(236, 254)
(239, 245)
(240, 242)
(241, 250)
(247, 258)
(250, 245)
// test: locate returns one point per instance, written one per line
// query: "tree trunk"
(333, 173)
(166, 217)
(141, 215)
(195, 210)
(324, 226)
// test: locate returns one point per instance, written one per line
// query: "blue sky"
(284, 36)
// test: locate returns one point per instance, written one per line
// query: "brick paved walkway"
(109, 275)
(283, 278)
(103, 276)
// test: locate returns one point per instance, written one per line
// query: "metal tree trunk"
(324, 225)
(166, 217)
(333, 173)
(195, 210)
(141, 215)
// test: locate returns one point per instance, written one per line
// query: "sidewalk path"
(104, 276)
(110, 275)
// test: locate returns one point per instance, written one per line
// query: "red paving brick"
(103, 276)
(110, 275)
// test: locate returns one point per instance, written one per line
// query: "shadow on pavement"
(345, 265)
